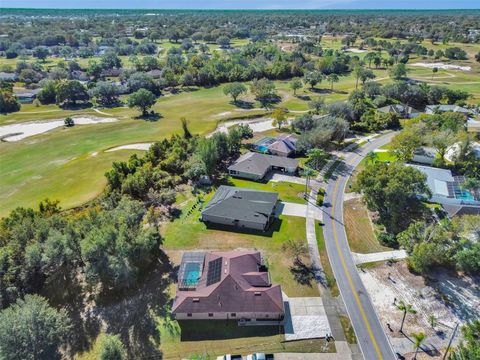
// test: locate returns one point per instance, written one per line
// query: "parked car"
(260, 356)
(229, 357)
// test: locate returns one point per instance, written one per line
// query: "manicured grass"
(360, 233)
(188, 233)
(288, 192)
(327, 268)
(348, 329)
(222, 337)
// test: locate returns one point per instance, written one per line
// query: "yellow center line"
(360, 306)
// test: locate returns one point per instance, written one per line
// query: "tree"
(371, 157)
(186, 131)
(333, 78)
(477, 57)
(105, 92)
(393, 190)
(223, 42)
(419, 338)
(112, 348)
(295, 85)
(316, 157)
(279, 118)
(404, 144)
(110, 60)
(406, 308)
(297, 248)
(264, 91)
(308, 173)
(142, 100)
(69, 122)
(313, 78)
(234, 90)
(31, 329)
(470, 347)
(357, 73)
(40, 52)
(316, 104)
(434, 71)
(432, 320)
(398, 71)
(70, 91)
(8, 102)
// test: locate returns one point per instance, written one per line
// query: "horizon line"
(236, 9)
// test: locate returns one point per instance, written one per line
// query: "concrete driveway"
(293, 209)
(305, 318)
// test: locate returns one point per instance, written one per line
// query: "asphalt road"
(371, 337)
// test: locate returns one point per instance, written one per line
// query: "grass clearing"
(348, 329)
(327, 268)
(188, 233)
(288, 192)
(360, 232)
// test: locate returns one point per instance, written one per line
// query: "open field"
(360, 232)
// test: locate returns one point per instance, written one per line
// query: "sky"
(245, 4)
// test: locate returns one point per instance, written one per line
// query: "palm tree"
(419, 337)
(432, 320)
(406, 308)
(434, 71)
(316, 157)
(307, 172)
(333, 78)
(371, 157)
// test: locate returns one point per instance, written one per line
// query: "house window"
(233, 314)
(258, 293)
(210, 314)
(189, 314)
(196, 300)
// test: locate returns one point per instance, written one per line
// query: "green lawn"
(327, 268)
(288, 192)
(188, 233)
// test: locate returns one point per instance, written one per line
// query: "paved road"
(371, 337)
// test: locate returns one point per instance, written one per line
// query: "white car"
(260, 356)
(229, 357)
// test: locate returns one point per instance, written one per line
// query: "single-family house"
(6, 76)
(424, 155)
(448, 190)
(26, 96)
(233, 285)
(241, 208)
(432, 109)
(283, 145)
(255, 166)
(403, 111)
(473, 125)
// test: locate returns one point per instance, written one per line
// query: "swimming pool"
(191, 274)
(464, 195)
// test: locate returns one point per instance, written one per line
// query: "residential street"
(372, 340)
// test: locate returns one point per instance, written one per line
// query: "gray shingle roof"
(242, 204)
(259, 164)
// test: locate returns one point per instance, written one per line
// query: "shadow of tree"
(243, 104)
(302, 273)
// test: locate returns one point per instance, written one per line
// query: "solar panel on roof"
(214, 271)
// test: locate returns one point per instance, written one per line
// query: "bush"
(387, 239)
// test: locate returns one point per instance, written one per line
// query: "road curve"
(371, 337)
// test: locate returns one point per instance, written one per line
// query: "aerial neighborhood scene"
(239, 180)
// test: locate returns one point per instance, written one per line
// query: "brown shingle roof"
(244, 286)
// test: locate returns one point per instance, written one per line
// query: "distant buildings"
(432, 109)
(241, 208)
(226, 285)
(424, 155)
(255, 166)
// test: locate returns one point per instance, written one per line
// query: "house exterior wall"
(226, 316)
(246, 175)
(279, 153)
(422, 159)
(238, 224)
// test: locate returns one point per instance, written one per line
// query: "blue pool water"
(464, 195)
(262, 148)
(192, 273)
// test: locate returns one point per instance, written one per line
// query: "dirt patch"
(450, 298)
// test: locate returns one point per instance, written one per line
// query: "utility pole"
(450, 342)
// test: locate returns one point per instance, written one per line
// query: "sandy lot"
(17, 132)
(451, 299)
(136, 146)
(442, 66)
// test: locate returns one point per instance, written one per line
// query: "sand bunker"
(20, 131)
(442, 66)
(356, 51)
(136, 146)
(257, 125)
